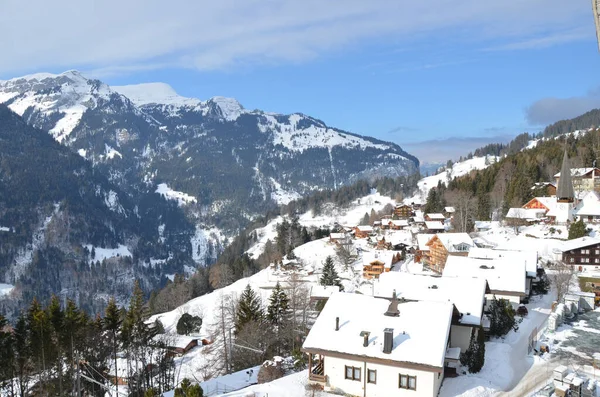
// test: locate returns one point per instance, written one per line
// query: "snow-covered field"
(170, 194)
(107, 253)
(5, 289)
(458, 169)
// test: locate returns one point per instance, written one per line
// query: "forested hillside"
(508, 183)
(65, 228)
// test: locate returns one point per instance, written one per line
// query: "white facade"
(387, 379)
(564, 212)
(460, 336)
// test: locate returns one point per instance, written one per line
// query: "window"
(597, 252)
(572, 260)
(352, 373)
(597, 260)
(371, 376)
(407, 382)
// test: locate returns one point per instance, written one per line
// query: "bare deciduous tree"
(464, 205)
(561, 279)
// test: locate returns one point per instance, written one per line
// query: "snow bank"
(5, 289)
(170, 194)
(107, 253)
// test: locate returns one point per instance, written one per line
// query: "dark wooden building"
(583, 252)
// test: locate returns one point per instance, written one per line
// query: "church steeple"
(564, 190)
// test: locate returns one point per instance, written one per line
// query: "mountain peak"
(154, 93)
(230, 108)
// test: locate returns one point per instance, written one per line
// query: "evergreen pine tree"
(577, 229)
(330, 275)
(249, 309)
(278, 305)
(474, 357)
(6, 352)
(502, 317)
(112, 323)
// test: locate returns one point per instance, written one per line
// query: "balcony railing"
(317, 374)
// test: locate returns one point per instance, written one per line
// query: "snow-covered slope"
(63, 98)
(457, 170)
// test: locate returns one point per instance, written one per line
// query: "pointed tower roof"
(564, 190)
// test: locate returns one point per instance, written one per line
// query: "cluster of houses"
(572, 196)
(408, 335)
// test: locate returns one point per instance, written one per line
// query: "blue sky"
(437, 77)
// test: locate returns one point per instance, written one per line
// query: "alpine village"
(153, 244)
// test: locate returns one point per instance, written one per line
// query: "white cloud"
(549, 110)
(207, 35)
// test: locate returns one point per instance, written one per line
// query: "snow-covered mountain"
(230, 163)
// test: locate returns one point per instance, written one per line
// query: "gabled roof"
(453, 241)
(399, 222)
(548, 202)
(588, 206)
(420, 333)
(449, 209)
(434, 225)
(175, 341)
(501, 274)
(529, 214)
(579, 172)
(365, 228)
(385, 257)
(396, 237)
(467, 294)
(529, 257)
(423, 239)
(436, 215)
(578, 243)
(337, 236)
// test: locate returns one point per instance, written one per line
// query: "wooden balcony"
(316, 373)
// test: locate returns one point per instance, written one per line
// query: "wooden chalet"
(583, 178)
(403, 211)
(445, 244)
(376, 263)
(422, 251)
(541, 203)
(383, 245)
(177, 344)
(545, 188)
(583, 252)
(435, 217)
(363, 231)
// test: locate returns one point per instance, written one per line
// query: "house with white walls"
(507, 279)
(366, 346)
(466, 294)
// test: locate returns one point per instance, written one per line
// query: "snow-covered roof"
(577, 243)
(420, 332)
(449, 209)
(454, 242)
(579, 172)
(323, 291)
(501, 274)
(467, 294)
(548, 202)
(588, 206)
(386, 257)
(396, 237)
(526, 213)
(337, 236)
(434, 225)
(365, 228)
(419, 217)
(423, 239)
(399, 222)
(529, 257)
(175, 340)
(435, 216)
(483, 225)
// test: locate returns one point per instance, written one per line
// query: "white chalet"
(367, 346)
(466, 294)
(588, 209)
(529, 257)
(506, 277)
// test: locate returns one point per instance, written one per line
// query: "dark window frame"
(374, 372)
(353, 369)
(408, 379)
